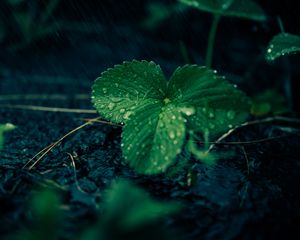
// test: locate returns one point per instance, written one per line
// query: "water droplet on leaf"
(211, 113)
(231, 115)
(115, 99)
(171, 135)
(111, 106)
(188, 111)
(127, 115)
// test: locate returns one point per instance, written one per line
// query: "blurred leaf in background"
(268, 102)
(159, 12)
(27, 21)
(282, 44)
(247, 9)
(130, 213)
(46, 217)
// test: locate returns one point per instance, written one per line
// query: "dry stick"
(101, 121)
(47, 149)
(36, 155)
(75, 174)
(252, 141)
(266, 120)
(48, 109)
(8, 97)
(247, 159)
(52, 145)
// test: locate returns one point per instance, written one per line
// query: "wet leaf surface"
(282, 44)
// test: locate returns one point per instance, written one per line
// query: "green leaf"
(126, 88)
(156, 113)
(153, 138)
(44, 207)
(219, 105)
(282, 44)
(129, 207)
(247, 9)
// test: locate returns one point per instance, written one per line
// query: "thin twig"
(101, 121)
(266, 120)
(247, 159)
(221, 138)
(48, 109)
(52, 145)
(36, 155)
(8, 97)
(75, 174)
(253, 141)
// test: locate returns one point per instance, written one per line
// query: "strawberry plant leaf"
(153, 138)
(247, 9)
(126, 88)
(219, 105)
(282, 44)
(161, 112)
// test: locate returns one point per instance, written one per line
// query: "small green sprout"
(158, 114)
(282, 44)
(246, 9)
(31, 27)
(5, 128)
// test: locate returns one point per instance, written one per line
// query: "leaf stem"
(211, 40)
(184, 52)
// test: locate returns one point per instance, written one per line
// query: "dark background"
(227, 202)
(119, 35)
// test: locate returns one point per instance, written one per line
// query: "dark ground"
(226, 201)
